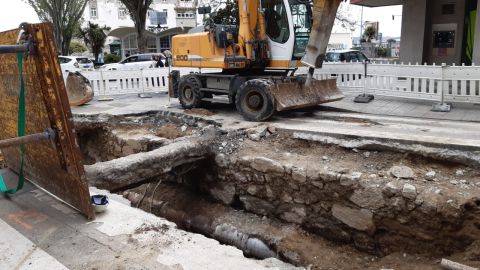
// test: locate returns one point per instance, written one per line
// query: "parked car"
(75, 63)
(345, 56)
(137, 61)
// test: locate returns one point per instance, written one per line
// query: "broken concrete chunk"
(393, 188)
(370, 198)
(350, 180)
(255, 134)
(430, 175)
(361, 220)
(299, 174)
(409, 191)
(263, 164)
(256, 205)
(294, 214)
(254, 137)
(402, 172)
(459, 172)
(272, 129)
(224, 193)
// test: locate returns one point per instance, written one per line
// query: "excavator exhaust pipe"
(297, 95)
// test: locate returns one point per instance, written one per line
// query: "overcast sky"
(14, 12)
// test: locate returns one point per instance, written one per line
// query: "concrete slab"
(18, 252)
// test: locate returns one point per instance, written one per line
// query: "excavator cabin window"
(276, 20)
(302, 23)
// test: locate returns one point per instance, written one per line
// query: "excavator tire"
(189, 92)
(254, 100)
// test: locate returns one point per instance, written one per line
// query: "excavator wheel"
(254, 100)
(189, 92)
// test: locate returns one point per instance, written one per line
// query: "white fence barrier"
(428, 82)
(118, 82)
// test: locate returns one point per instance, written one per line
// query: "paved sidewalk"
(407, 108)
(18, 252)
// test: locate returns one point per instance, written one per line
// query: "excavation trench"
(271, 194)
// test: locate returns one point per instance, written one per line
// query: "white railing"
(119, 82)
(427, 82)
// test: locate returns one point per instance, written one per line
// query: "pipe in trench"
(224, 233)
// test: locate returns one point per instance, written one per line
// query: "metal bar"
(14, 48)
(49, 134)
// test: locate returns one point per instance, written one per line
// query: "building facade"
(437, 31)
(178, 17)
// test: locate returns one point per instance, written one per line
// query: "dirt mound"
(199, 111)
(169, 131)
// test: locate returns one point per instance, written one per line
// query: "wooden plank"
(57, 167)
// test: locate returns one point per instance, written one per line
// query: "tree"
(65, 16)
(138, 12)
(76, 47)
(227, 13)
(369, 33)
(94, 36)
(344, 17)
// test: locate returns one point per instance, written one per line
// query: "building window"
(151, 45)
(448, 9)
(93, 13)
(130, 44)
(122, 13)
(185, 15)
(93, 10)
(164, 43)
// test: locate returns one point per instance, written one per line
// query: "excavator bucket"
(301, 95)
(79, 89)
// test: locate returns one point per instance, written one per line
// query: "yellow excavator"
(259, 57)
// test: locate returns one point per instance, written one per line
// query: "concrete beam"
(122, 172)
(413, 31)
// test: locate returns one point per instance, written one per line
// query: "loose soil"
(199, 111)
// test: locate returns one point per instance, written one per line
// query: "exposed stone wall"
(377, 214)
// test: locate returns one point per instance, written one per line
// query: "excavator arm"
(324, 12)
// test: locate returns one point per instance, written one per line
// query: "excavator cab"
(258, 58)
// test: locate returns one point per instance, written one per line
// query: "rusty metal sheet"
(57, 167)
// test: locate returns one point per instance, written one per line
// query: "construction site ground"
(336, 141)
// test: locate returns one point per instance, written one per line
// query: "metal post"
(4, 49)
(364, 98)
(47, 135)
(442, 106)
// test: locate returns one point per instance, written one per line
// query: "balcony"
(185, 4)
